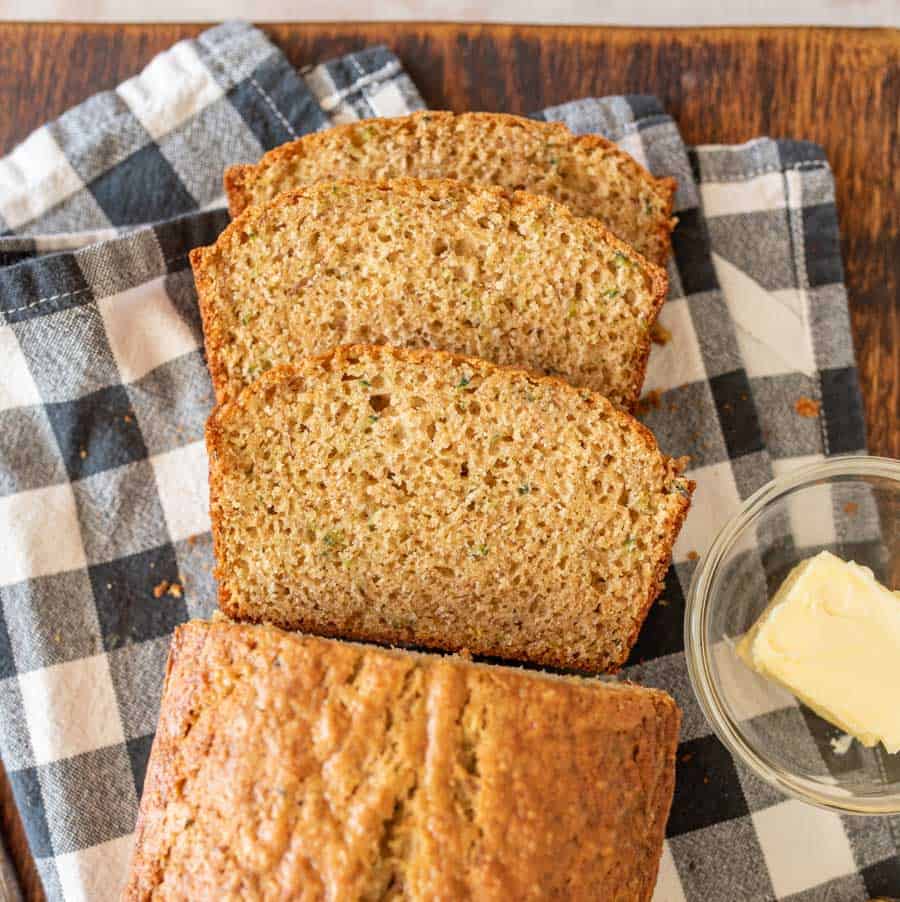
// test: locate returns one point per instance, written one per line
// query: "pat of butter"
(831, 635)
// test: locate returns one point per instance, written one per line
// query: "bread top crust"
(215, 266)
(553, 161)
(287, 766)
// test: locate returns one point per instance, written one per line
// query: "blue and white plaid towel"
(104, 530)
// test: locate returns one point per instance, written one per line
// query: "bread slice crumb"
(416, 529)
(510, 277)
(587, 173)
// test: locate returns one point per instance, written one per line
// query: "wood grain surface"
(838, 87)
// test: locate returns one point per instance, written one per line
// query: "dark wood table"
(839, 87)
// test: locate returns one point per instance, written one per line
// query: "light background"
(610, 12)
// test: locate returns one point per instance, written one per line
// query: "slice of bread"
(588, 173)
(513, 278)
(418, 497)
(293, 767)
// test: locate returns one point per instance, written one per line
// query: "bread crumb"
(127, 418)
(851, 507)
(82, 454)
(650, 401)
(109, 585)
(807, 407)
(659, 334)
(160, 589)
(573, 343)
(175, 590)
(692, 555)
(840, 745)
(428, 381)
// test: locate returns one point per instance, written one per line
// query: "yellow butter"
(831, 635)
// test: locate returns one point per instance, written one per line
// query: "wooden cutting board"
(839, 87)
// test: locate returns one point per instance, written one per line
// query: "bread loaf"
(413, 496)
(293, 767)
(513, 278)
(587, 173)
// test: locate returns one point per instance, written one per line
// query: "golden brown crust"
(214, 441)
(145, 871)
(240, 180)
(434, 638)
(667, 186)
(235, 180)
(203, 261)
(288, 766)
(673, 527)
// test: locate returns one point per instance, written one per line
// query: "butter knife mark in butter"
(831, 635)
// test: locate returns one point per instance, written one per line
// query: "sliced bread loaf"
(588, 173)
(418, 497)
(293, 767)
(513, 278)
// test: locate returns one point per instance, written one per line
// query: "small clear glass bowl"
(847, 505)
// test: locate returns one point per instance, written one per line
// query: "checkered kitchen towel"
(104, 393)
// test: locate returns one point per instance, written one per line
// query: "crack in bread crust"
(320, 769)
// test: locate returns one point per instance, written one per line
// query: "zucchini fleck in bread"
(292, 767)
(513, 278)
(587, 173)
(413, 496)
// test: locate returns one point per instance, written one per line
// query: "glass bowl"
(847, 505)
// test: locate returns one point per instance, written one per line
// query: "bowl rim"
(697, 605)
